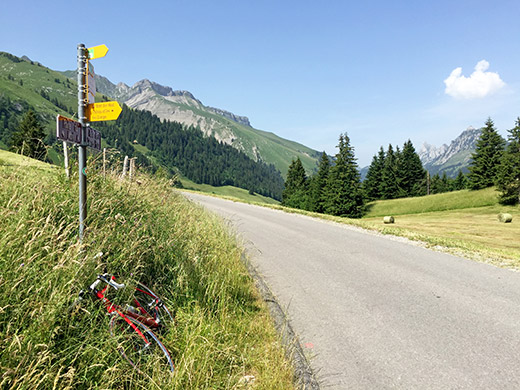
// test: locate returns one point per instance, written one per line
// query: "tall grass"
(223, 334)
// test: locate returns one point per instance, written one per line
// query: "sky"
(381, 71)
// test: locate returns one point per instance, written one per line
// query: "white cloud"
(480, 84)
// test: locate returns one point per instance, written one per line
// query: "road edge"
(304, 376)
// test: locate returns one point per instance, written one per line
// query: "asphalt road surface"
(379, 313)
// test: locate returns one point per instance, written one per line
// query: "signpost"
(68, 130)
(83, 56)
(88, 111)
(93, 138)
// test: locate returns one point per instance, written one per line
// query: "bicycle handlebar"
(108, 279)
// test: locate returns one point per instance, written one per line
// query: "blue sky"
(305, 70)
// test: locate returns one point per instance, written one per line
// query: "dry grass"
(223, 332)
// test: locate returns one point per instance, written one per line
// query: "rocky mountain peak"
(429, 153)
(145, 84)
(243, 120)
(467, 140)
(453, 157)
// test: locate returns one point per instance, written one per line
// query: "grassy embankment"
(149, 233)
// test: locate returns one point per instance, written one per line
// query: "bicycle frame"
(112, 308)
(139, 313)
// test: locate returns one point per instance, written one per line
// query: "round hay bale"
(388, 219)
(505, 217)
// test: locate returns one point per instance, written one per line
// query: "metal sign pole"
(82, 148)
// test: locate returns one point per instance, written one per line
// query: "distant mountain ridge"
(243, 120)
(453, 157)
(447, 158)
(227, 127)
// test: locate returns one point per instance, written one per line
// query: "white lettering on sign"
(68, 130)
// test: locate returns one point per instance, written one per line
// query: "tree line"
(336, 188)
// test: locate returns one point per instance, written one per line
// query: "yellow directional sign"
(97, 52)
(106, 111)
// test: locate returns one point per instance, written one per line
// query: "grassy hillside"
(456, 200)
(149, 233)
(271, 148)
(227, 192)
(42, 88)
(25, 84)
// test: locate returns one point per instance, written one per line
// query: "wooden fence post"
(125, 167)
(104, 162)
(66, 157)
(132, 168)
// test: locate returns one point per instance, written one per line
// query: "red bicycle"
(132, 325)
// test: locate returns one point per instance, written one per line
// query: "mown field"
(223, 338)
(462, 220)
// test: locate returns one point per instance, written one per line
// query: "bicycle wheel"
(140, 346)
(148, 303)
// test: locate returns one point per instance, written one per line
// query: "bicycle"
(132, 326)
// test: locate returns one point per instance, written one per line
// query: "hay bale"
(505, 217)
(388, 219)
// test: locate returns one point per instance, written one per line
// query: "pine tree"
(318, 186)
(508, 175)
(436, 184)
(389, 179)
(372, 182)
(446, 183)
(460, 182)
(28, 139)
(412, 174)
(295, 192)
(344, 193)
(486, 159)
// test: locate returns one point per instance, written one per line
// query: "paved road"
(378, 313)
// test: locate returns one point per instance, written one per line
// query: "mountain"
(453, 157)
(182, 106)
(27, 85)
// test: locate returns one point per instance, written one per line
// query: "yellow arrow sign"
(97, 52)
(106, 111)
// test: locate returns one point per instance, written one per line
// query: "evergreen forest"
(186, 149)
